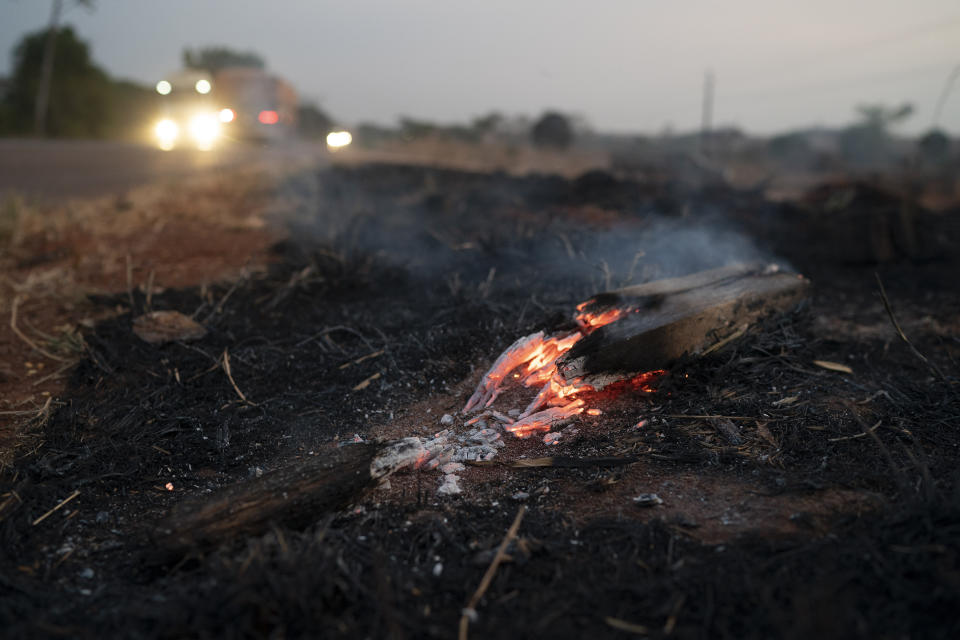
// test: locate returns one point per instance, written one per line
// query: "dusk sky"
(624, 65)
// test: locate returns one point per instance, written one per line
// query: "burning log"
(295, 495)
(630, 337)
(661, 323)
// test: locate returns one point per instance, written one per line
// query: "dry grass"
(52, 257)
(481, 157)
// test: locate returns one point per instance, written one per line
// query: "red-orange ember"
(532, 360)
(590, 321)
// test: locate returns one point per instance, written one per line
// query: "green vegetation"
(312, 121)
(934, 146)
(84, 101)
(869, 142)
(552, 131)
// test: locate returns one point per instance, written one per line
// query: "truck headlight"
(339, 139)
(204, 129)
(166, 131)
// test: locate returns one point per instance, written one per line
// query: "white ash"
(452, 467)
(478, 453)
(399, 454)
(445, 451)
(648, 500)
(449, 486)
(446, 420)
(554, 437)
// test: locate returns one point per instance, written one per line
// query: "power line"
(947, 86)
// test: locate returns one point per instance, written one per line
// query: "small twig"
(55, 374)
(133, 307)
(903, 336)
(488, 576)
(148, 303)
(219, 307)
(705, 417)
(23, 336)
(859, 435)
(329, 330)
(226, 369)
(629, 627)
(671, 623)
(722, 343)
(73, 495)
(41, 412)
(13, 495)
(366, 383)
(375, 354)
(573, 463)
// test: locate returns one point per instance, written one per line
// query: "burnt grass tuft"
(439, 270)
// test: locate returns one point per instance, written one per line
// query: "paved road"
(52, 169)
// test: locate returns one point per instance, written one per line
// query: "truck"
(202, 109)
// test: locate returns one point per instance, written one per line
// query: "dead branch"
(903, 336)
(59, 506)
(573, 463)
(470, 609)
(295, 495)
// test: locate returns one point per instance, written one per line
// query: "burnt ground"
(832, 511)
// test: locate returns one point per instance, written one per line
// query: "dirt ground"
(365, 302)
(60, 255)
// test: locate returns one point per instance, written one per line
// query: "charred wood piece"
(671, 320)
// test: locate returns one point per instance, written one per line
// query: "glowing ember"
(544, 420)
(590, 321)
(520, 352)
(555, 392)
(532, 361)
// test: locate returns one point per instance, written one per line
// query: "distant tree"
(790, 148)
(79, 91)
(934, 145)
(370, 134)
(412, 129)
(213, 59)
(487, 124)
(130, 106)
(552, 131)
(312, 121)
(869, 141)
(42, 101)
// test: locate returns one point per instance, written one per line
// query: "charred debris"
(799, 479)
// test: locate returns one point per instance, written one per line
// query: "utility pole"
(707, 117)
(944, 93)
(46, 70)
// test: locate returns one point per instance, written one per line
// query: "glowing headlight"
(204, 129)
(339, 139)
(227, 115)
(166, 131)
(202, 86)
(164, 87)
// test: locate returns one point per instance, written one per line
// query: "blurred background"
(755, 90)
